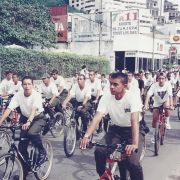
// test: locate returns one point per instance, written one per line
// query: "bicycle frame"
(13, 150)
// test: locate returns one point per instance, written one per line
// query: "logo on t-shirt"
(161, 94)
(92, 90)
(126, 110)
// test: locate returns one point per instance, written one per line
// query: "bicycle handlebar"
(12, 127)
(119, 147)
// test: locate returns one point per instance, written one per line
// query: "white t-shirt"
(14, 88)
(94, 86)
(49, 91)
(59, 82)
(161, 94)
(120, 110)
(5, 86)
(80, 94)
(134, 83)
(178, 93)
(27, 103)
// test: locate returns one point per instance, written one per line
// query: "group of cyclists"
(121, 95)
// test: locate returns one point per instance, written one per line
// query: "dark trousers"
(84, 114)
(33, 135)
(55, 106)
(117, 135)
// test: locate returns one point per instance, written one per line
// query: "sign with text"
(59, 18)
(125, 22)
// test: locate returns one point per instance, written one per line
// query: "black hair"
(119, 75)
(7, 72)
(15, 73)
(27, 77)
(83, 67)
(82, 75)
(54, 71)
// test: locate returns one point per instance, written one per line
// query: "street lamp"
(153, 36)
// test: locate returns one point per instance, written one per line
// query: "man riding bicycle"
(162, 93)
(82, 95)
(32, 118)
(123, 108)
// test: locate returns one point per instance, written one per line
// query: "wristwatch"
(86, 136)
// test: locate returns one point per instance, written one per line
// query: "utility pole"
(153, 31)
(0, 71)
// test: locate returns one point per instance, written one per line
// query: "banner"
(125, 22)
(60, 19)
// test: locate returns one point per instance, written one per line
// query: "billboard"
(59, 16)
(125, 22)
(86, 27)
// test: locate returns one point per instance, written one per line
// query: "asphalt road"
(81, 166)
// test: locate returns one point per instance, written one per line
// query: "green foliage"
(25, 23)
(35, 63)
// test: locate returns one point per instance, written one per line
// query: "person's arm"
(60, 89)
(85, 100)
(52, 99)
(96, 120)
(135, 133)
(98, 95)
(5, 115)
(68, 98)
(146, 104)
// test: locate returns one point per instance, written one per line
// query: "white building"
(104, 5)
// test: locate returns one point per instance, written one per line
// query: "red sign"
(173, 50)
(60, 19)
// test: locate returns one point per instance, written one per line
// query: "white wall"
(138, 43)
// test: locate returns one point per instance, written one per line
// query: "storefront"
(138, 52)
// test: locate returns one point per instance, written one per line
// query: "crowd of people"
(121, 95)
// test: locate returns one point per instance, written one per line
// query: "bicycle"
(178, 109)
(73, 130)
(160, 130)
(55, 123)
(14, 115)
(11, 165)
(117, 155)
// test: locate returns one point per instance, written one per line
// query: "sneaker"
(168, 126)
(41, 158)
(15, 177)
(152, 140)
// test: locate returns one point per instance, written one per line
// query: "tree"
(25, 23)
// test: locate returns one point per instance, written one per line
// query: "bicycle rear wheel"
(156, 139)
(11, 167)
(162, 133)
(178, 110)
(70, 138)
(43, 171)
(57, 128)
(5, 141)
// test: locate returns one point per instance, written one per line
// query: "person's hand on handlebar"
(84, 142)
(130, 149)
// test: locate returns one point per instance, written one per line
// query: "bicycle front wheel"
(162, 132)
(156, 139)
(57, 128)
(5, 141)
(178, 110)
(44, 169)
(10, 167)
(70, 138)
